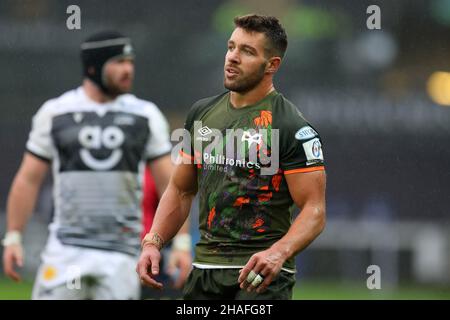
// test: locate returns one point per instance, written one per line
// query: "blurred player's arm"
(170, 216)
(308, 192)
(21, 201)
(180, 255)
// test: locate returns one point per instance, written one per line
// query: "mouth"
(231, 72)
(125, 81)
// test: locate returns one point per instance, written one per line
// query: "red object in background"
(150, 201)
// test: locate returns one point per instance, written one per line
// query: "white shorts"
(76, 273)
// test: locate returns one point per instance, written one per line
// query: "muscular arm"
(162, 169)
(308, 192)
(21, 201)
(24, 191)
(171, 214)
(176, 201)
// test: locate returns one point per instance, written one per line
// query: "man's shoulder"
(203, 105)
(139, 106)
(208, 100)
(60, 103)
(286, 114)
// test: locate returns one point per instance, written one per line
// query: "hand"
(148, 266)
(267, 264)
(181, 260)
(12, 255)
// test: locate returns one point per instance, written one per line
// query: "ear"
(273, 64)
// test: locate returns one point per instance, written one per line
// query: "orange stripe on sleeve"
(302, 170)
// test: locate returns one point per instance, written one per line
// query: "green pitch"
(304, 291)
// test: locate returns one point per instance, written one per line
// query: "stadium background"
(378, 97)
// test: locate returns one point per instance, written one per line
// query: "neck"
(241, 100)
(95, 93)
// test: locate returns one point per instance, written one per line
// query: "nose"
(233, 57)
(129, 66)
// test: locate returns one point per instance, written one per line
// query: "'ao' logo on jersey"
(95, 138)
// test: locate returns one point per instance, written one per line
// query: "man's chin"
(118, 91)
(232, 86)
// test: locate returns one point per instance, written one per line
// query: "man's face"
(245, 61)
(118, 75)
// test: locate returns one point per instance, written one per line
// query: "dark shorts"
(222, 284)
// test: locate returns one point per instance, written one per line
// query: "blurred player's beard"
(246, 83)
(119, 86)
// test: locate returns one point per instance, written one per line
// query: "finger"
(250, 277)
(149, 281)
(263, 286)
(246, 285)
(256, 282)
(268, 275)
(142, 267)
(9, 267)
(247, 268)
(258, 268)
(155, 264)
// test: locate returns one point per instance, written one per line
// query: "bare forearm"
(172, 213)
(21, 201)
(305, 228)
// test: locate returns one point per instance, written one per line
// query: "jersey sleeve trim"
(303, 170)
(185, 155)
(38, 155)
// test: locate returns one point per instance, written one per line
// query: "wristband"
(182, 242)
(12, 238)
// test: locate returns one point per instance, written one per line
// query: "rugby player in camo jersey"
(248, 239)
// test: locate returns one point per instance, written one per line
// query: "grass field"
(304, 291)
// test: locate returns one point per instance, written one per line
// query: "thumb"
(155, 265)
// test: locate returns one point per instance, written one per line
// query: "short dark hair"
(270, 26)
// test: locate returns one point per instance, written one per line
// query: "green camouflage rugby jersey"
(242, 156)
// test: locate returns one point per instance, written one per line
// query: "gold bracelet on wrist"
(153, 238)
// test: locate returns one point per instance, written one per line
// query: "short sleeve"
(301, 146)
(195, 113)
(159, 140)
(40, 142)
